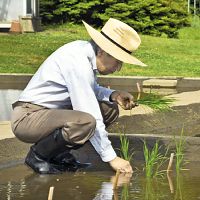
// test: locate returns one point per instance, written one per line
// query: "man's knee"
(78, 132)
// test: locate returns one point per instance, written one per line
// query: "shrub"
(152, 17)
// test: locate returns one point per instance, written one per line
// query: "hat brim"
(111, 48)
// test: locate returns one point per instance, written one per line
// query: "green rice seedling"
(125, 151)
(180, 145)
(154, 160)
(156, 102)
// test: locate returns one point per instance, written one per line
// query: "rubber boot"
(43, 151)
(41, 165)
(50, 155)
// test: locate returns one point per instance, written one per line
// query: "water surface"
(18, 183)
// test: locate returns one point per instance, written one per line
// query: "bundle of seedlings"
(156, 102)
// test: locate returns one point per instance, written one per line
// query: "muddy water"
(21, 183)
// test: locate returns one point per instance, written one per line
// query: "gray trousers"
(31, 122)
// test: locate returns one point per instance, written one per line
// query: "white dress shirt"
(68, 77)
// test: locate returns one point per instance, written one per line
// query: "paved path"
(5, 130)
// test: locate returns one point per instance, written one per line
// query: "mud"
(166, 123)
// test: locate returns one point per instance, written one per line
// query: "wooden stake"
(51, 189)
(139, 91)
(116, 179)
(169, 168)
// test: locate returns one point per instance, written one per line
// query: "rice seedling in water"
(154, 160)
(180, 151)
(125, 151)
(156, 102)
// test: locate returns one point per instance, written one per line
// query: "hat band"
(127, 51)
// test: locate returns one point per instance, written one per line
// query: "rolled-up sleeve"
(102, 93)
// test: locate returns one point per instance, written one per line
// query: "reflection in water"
(22, 188)
(13, 190)
(171, 186)
(9, 190)
(179, 181)
(67, 186)
(125, 192)
(106, 192)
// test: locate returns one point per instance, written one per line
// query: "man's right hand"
(121, 164)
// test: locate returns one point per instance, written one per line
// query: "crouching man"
(63, 106)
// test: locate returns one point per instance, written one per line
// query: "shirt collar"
(91, 56)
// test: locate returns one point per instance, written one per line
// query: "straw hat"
(117, 39)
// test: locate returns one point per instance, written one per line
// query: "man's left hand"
(124, 99)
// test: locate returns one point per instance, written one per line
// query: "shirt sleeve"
(102, 93)
(80, 82)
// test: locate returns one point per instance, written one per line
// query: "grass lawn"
(24, 53)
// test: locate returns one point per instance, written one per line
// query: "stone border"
(13, 152)
(116, 82)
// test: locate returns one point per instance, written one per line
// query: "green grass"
(24, 53)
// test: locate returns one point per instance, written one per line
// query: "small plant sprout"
(126, 153)
(154, 160)
(180, 144)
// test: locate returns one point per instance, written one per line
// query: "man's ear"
(100, 52)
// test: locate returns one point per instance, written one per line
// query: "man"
(62, 107)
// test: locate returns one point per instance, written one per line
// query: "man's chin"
(105, 73)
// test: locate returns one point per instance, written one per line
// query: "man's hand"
(121, 164)
(124, 99)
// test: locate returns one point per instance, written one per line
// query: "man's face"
(106, 64)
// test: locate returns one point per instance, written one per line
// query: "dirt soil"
(185, 114)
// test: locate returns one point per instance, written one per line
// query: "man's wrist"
(114, 96)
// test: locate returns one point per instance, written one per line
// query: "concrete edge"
(115, 82)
